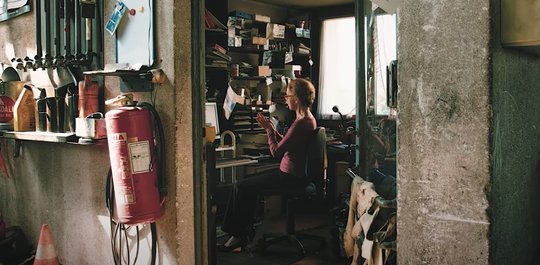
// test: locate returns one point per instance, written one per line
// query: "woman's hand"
(264, 122)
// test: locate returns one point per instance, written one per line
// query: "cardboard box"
(261, 18)
(306, 33)
(234, 41)
(259, 40)
(275, 31)
(263, 70)
(299, 32)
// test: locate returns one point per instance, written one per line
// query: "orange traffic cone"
(45, 254)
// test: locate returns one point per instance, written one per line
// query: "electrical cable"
(160, 143)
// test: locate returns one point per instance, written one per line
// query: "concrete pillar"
(444, 121)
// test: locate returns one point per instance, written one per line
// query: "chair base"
(270, 239)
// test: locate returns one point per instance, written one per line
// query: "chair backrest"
(316, 160)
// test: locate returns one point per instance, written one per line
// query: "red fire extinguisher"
(136, 160)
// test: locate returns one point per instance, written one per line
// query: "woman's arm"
(291, 140)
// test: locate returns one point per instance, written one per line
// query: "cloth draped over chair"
(359, 234)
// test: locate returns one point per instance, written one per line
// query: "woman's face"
(291, 99)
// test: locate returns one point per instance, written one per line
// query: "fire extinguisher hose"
(117, 230)
(160, 143)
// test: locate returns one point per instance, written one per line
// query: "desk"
(339, 159)
(234, 162)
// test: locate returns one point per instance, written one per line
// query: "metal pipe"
(362, 155)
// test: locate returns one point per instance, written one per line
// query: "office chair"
(316, 166)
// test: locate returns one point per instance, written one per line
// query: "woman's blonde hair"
(304, 90)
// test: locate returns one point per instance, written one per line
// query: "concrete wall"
(444, 119)
(63, 185)
(515, 192)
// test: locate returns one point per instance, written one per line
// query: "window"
(337, 83)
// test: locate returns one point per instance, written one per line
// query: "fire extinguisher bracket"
(136, 83)
(132, 80)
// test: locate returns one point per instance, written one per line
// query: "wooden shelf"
(49, 137)
(216, 68)
(215, 31)
(42, 136)
(245, 50)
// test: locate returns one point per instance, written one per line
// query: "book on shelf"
(211, 21)
(222, 55)
(217, 52)
(217, 47)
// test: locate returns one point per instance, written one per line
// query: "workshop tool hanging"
(88, 12)
(39, 48)
(135, 188)
(41, 110)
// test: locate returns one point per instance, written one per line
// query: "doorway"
(369, 111)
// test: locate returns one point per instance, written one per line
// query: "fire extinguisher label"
(139, 153)
(122, 170)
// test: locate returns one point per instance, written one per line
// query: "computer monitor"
(211, 116)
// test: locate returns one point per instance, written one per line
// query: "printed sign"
(6, 109)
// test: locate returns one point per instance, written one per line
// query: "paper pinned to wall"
(229, 102)
(389, 6)
(135, 33)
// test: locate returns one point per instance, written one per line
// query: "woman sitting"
(290, 148)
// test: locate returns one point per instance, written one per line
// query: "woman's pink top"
(293, 147)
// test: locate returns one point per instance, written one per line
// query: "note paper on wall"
(135, 33)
